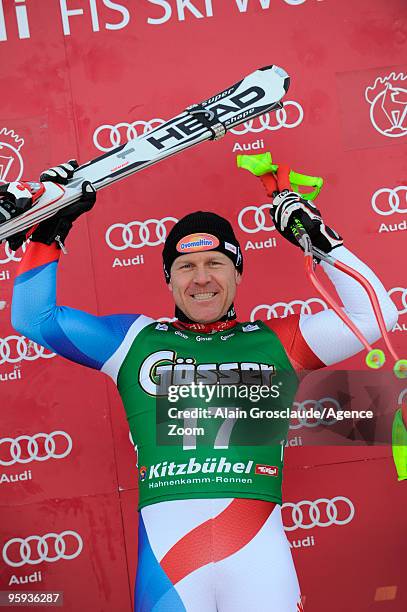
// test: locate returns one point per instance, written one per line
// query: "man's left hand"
(288, 205)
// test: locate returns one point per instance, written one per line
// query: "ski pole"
(284, 179)
(261, 164)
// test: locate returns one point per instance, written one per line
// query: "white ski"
(256, 94)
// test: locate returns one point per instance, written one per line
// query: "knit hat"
(201, 231)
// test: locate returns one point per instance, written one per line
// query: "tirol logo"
(142, 473)
(197, 242)
(388, 104)
(11, 162)
(266, 470)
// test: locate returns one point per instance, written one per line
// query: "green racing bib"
(208, 412)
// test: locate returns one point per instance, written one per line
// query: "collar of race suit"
(227, 321)
(206, 328)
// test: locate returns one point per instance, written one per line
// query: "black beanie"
(201, 231)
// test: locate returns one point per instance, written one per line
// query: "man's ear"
(238, 277)
(170, 286)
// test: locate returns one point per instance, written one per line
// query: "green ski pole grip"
(399, 445)
(261, 163)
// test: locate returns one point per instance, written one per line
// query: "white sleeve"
(327, 336)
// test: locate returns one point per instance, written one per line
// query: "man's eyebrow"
(191, 261)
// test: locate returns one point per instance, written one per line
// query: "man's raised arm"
(315, 340)
(79, 336)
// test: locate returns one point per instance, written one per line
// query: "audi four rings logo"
(114, 135)
(320, 405)
(272, 121)
(106, 137)
(10, 255)
(322, 512)
(35, 549)
(403, 297)
(28, 445)
(14, 349)
(121, 236)
(252, 219)
(388, 201)
(283, 309)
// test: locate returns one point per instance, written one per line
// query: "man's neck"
(206, 328)
(225, 322)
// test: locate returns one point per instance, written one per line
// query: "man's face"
(204, 285)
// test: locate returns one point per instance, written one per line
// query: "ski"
(258, 93)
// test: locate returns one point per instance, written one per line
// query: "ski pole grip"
(261, 163)
(283, 177)
(270, 184)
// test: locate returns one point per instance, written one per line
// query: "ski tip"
(277, 69)
(280, 72)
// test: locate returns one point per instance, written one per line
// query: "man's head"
(203, 265)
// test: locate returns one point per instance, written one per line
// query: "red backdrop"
(80, 76)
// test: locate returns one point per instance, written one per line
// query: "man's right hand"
(15, 198)
(56, 228)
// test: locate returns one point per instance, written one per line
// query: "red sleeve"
(299, 353)
(38, 254)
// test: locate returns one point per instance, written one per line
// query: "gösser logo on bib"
(197, 242)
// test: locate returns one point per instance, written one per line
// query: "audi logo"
(23, 445)
(320, 405)
(261, 219)
(403, 291)
(106, 137)
(14, 349)
(121, 236)
(391, 202)
(114, 135)
(322, 512)
(24, 552)
(402, 396)
(10, 255)
(283, 309)
(267, 121)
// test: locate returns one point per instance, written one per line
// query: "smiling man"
(203, 286)
(202, 267)
(211, 538)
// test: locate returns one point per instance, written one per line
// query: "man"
(210, 531)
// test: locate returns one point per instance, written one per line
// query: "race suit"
(210, 531)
